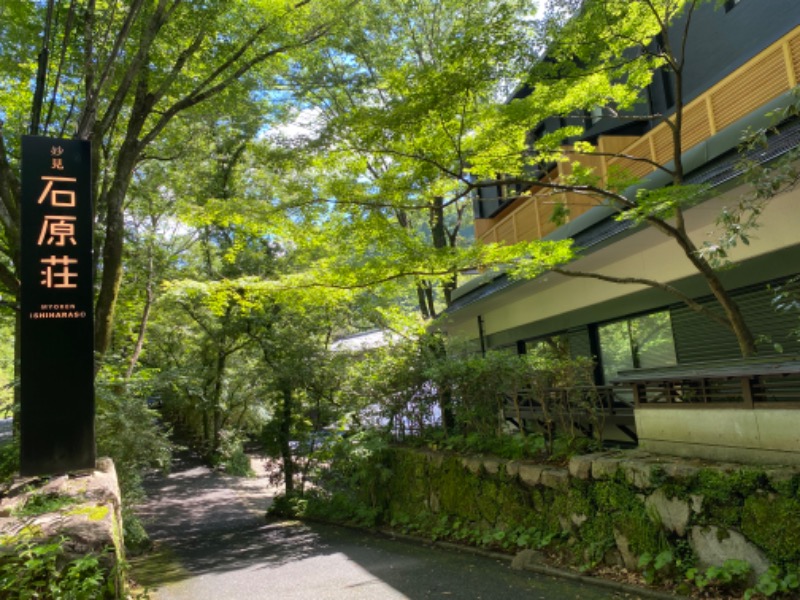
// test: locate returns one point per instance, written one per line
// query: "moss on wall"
(724, 493)
(447, 496)
(773, 523)
(619, 507)
(93, 513)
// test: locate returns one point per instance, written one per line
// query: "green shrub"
(776, 583)
(731, 576)
(512, 446)
(9, 461)
(137, 541)
(231, 456)
(288, 505)
(659, 567)
(39, 570)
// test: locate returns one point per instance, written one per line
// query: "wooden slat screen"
(765, 77)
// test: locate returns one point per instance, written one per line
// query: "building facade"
(742, 62)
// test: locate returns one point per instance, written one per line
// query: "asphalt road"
(213, 543)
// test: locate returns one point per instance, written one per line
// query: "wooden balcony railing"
(736, 384)
(766, 76)
(584, 408)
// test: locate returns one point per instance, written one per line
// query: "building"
(693, 393)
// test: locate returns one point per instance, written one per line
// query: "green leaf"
(663, 559)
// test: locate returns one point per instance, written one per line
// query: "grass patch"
(39, 504)
(156, 568)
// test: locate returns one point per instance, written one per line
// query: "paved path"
(214, 544)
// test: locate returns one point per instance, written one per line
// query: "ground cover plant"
(39, 569)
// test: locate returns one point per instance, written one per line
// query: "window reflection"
(638, 343)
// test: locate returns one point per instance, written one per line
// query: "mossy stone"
(93, 513)
(773, 523)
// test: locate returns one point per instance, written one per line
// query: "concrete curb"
(541, 569)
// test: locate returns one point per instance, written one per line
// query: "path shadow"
(203, 521)
(203, 528)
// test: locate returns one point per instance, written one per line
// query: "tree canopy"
(134, 77)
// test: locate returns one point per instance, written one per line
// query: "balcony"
(767, 76)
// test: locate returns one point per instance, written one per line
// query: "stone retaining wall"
(604, 508)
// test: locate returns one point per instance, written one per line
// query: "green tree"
(604, 56)
(126, 75)
(204, 333)
(293, 338)
(393, 106)
(209, 386)
(407, 115)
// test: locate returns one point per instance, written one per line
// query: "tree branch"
(61, 61)
(372, 282)
(9, 279)
(630, 157)
(692, 304)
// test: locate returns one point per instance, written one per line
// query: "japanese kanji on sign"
(57, 351)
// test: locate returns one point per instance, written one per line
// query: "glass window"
(638, 343)
(615, 348)
(653, 343)
(554, 345)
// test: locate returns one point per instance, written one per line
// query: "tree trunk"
(217, 398)
(148, 303)
(284, 439)
(206, 429)
(733, 314)
(744, 336)
(442, 240)
(111, 277)
(422, 302)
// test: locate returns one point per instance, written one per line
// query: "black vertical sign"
(57, 352)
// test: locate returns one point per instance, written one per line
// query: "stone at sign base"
(90, 517)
